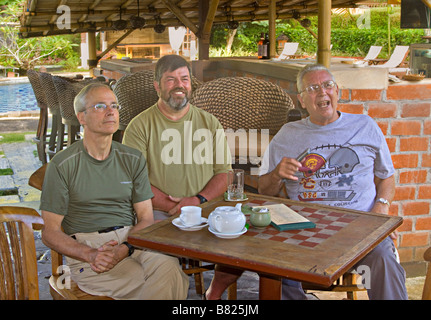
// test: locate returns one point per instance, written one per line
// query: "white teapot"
(227, 219)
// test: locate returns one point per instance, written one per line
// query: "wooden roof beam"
(206, 29)
(123, 9)
(178, 13)
(152, 22)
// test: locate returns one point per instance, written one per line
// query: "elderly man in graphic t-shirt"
(348, 165)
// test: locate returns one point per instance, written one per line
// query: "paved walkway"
(22, 159)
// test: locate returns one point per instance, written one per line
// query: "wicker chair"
(244, 103)
(66, 90)
(136, 93)
(42, 127)
(57, 129)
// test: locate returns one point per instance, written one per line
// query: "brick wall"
(403, 112)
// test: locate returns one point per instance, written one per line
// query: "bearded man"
(185, 147)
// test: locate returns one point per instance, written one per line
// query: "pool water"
(17, 97)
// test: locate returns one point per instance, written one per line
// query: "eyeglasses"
(101, 107)
(327, 85)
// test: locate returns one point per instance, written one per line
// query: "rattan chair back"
(67, 89)
(39, 93)
(136, 93)
(244, 103)
(50, 92)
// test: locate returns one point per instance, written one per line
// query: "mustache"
(178, 90)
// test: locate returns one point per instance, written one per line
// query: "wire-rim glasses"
(327, 85)
(101, 107)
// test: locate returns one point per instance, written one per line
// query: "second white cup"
(191, 215)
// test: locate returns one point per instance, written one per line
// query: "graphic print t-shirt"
(343, 159)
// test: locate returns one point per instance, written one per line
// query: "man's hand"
(107, 256)
(271, 183)
(287, 168)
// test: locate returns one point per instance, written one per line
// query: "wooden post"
(204, 40)
(92, 54)
(324, 33)
(271, 24)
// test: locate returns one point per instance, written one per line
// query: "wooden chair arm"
(56, 261)
(27, 215)
(36, 179)
(427, 255)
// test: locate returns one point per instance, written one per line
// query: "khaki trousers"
(145, 275)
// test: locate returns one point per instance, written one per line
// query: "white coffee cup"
(191, 215)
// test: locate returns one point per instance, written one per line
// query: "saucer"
(228, 235)
(244, 197)
(179, 224)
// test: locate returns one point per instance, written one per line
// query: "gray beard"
(176, 106)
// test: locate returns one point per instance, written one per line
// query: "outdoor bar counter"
(402, 111)
(285, 70)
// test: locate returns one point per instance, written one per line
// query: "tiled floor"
(17, 97)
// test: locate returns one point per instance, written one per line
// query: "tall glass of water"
(235, 185)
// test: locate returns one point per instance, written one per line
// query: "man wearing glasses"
(93, 193)
(348, 164)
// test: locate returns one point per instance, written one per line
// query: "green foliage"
(346, 38)
(26, 53)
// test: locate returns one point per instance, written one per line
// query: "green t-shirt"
(94, 195)
(182, 155)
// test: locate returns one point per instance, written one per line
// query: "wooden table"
(320, 256)
(377, 61)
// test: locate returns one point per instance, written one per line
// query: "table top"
(319, 255)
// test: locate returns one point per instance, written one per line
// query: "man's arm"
(161, 201)
(144, 215)
(385, 188)
(214, 188)
(271, 183)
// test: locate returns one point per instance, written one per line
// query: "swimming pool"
(17, 97)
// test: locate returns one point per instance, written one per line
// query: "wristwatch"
(131, 248)
(202, 199)
(383, 200)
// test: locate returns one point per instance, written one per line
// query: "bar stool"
(42, 127)
(66, 90)
(57, 129)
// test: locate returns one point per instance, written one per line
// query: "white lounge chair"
(397, 57)
(373, 52)
(289, 49)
